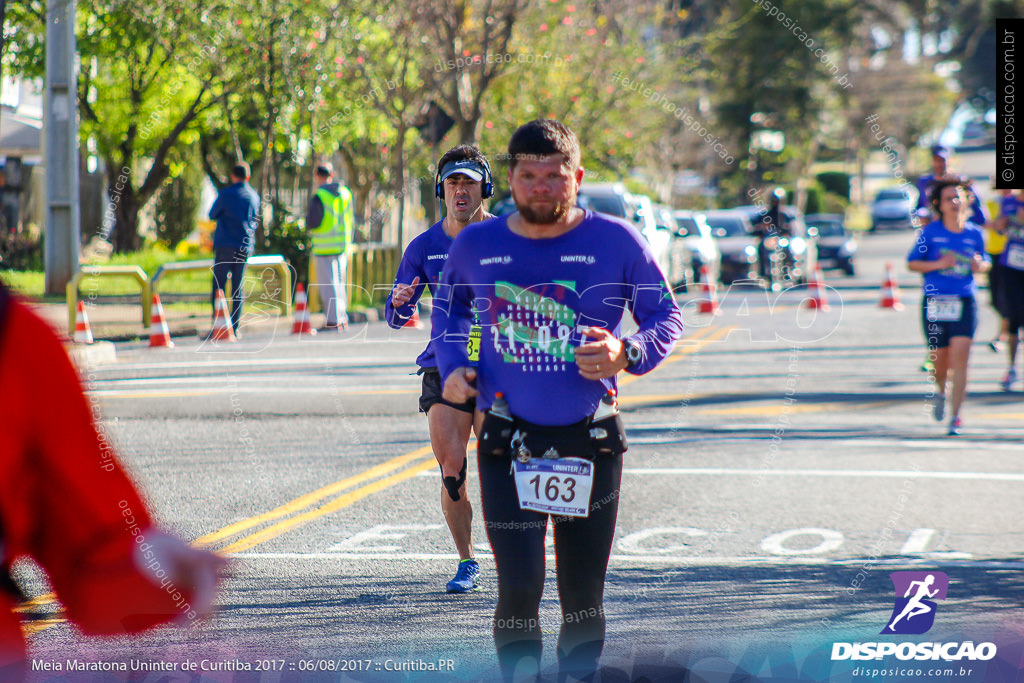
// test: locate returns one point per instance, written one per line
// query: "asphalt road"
(783, 463)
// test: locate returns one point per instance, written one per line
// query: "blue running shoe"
(465, 578)
(955, 427)
(939, 407)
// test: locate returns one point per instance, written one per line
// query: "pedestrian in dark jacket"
(235, 211)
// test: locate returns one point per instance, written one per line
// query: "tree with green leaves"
(144, 80)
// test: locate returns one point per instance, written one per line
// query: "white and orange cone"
(817, 298)
(301, 324)
(414, 319)
(83, 335)
(159, 334)
(709, 293)
(222, 330)
(890, 291)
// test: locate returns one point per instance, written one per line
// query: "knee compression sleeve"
(453, 484)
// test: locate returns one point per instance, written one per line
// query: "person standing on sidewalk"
(329, 221)
(463, 182)
(235, 210)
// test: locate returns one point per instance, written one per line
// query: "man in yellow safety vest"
(329, 221)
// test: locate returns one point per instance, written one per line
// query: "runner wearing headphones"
(549, 284)
(463, 181)
(949, 251)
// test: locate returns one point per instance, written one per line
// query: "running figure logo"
(914, 612)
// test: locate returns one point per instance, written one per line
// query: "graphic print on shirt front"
(962, 267)
(535, 328)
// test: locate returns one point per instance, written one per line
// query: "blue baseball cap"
(467, 167)
(940, 151)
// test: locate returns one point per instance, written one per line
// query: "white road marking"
(775, 544)
(631, 542)
(930, 559)
(918, 541)
(204, 381)
(886, 474)
(225, 363)
(380, 532)
(946, 443)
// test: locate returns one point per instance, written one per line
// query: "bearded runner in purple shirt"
(550, 284)
(463, 182)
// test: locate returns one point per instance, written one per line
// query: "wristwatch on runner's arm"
(633, 354)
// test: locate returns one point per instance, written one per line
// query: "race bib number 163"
(558, 486)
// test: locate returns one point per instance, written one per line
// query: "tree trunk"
(125, 236)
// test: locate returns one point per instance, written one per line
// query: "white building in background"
(21, 138)
(22, 163)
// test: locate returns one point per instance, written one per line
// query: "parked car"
(695, 233)
(799, 249)
(680, 267)
(507, 205)
(733, 233)
(614, 200)
(609, 198)
(893, 209)
(502, 206)
(836, 246)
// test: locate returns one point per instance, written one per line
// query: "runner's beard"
(546, 216)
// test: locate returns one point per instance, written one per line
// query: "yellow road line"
(794, 408)
(1001, 416)
(702, 332)
(336, 504)
(45, 599)
(33, 627)
(215, 392)
(715, 335)
(704, 337)
(626, 401)
(313, 497)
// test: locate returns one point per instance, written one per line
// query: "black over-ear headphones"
(487, 190)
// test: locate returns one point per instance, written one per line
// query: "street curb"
(97, 353)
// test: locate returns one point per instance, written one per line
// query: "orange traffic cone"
(414, 319)
(817, 297)
(159, 335)
(83, 335)
(301, 324)
(708, 290)
(890, 291)
(222, 330)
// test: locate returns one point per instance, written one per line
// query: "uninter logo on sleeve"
(434, 257)
(913, 613)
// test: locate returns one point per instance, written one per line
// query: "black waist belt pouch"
(539, 441)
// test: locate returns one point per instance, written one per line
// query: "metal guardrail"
(148, 285)
(371, 270)
(135, 272)
(273, 262)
